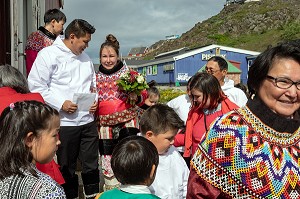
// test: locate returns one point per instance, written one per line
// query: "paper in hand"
(84, 100)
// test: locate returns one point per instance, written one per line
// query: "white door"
(25, 18)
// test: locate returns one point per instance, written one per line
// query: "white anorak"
(57, 73)
(181, 105)
(171, 176)
(234, 94)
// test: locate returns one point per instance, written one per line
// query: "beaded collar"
(270, 126)
(268, 117)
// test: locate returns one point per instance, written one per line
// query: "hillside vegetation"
(251, 26)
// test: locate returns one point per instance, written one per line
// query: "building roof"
(200, 50)
(231, 68)
(133, 63)
(177, 51)
(183, 53)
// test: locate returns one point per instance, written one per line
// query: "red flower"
(133, 75)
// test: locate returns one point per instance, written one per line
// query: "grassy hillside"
(251, 26)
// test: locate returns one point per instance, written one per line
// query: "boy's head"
(54, 20)
(160, 124)
(54, 14)
(134, 161)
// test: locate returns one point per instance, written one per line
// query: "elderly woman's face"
(281, 101)
(108, 57)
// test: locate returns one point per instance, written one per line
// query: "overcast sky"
(138, 23)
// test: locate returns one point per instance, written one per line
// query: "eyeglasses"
(284, 83)
(209, 70)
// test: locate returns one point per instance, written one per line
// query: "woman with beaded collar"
(253, 152)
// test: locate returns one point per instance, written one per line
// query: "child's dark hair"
(16, 121)
(152, 83)
(153, 91)
(79, 28)
(159, 119)
(55, 14)
(132, 160)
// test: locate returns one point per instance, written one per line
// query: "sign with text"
(208, 56)
(183, 77)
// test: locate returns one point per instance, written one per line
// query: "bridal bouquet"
(132, 82)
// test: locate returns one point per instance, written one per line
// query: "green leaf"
(127, 87)
(135, 85)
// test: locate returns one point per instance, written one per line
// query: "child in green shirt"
(134, 162)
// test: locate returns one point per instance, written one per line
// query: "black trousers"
(79, 142)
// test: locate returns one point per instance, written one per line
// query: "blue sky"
(138, 23)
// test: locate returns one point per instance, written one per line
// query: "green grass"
(168, 94)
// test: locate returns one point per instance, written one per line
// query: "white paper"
(84, 100)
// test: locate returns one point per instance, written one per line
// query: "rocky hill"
(251, 26)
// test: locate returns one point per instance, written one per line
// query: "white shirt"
(234, 94)
(181, 105)
(171, 176)
(57, 73)
(135, 189)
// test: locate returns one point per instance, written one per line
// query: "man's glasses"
(209, 70)
(284, 83)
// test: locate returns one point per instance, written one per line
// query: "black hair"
(159, 119)
(209, 85)
(264, 62)
(152, 83)
(13, 78)
(16, 121)
(55, 14)
(132, 160)
(223, 65)
(190, 80)
(79, 28)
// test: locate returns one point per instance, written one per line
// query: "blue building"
(179, 65)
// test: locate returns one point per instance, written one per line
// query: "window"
(168, 67)
(144, 71)
(154, 70)
(149, 70)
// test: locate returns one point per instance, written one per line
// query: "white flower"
(123, 75)
(140, 79)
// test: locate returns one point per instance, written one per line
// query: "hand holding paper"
(84, 100)
(93, 108)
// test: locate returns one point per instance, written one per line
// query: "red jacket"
(191, 141)
(9, 95)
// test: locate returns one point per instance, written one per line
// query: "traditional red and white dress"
(113, 114)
